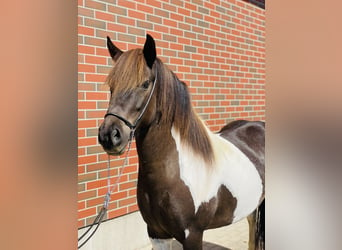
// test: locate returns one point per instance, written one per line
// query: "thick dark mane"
(174, 103)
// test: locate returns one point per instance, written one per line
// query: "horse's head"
(132, 104)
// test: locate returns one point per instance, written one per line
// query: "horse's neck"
(157, 151)
(180, 117)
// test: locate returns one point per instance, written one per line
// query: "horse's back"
(249, 137)
(250, 132)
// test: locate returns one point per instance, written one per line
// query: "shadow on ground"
(206, 246)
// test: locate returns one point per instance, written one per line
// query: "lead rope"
(115, 184)
(110, 190)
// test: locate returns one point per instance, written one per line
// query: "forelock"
(129, 71)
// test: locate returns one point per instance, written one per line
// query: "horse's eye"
(146, 84)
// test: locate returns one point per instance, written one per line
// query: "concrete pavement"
(233, 237)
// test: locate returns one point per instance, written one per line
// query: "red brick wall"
(216, 47)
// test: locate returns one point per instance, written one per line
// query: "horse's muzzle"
(111, 139)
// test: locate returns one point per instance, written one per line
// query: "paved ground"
(233, 237)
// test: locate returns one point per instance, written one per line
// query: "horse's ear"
(114, 51)
(150, 52)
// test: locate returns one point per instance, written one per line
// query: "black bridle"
(133, 126)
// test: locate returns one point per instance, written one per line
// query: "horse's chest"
(165, 207)
(231, 169)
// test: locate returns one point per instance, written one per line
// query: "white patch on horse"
(186, 233)
(161, 244)
(231, 168)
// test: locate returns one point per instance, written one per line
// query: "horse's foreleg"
(160, 241)
(161, 244)
(193, 240)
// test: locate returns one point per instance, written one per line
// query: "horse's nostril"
(116, 137)
(115, 132)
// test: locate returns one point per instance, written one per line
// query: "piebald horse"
(190, 179)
